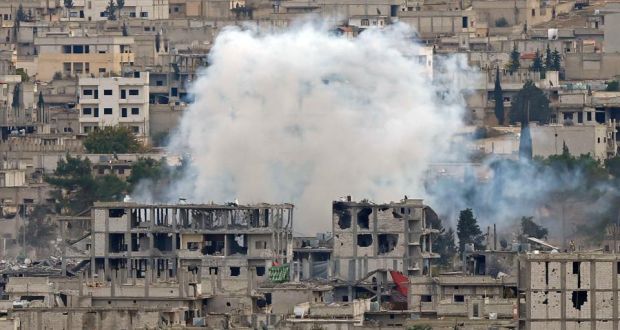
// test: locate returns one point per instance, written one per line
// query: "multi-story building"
(181, 261)
(112, 101)
(369, 236)
(62, 55)
(568, 291)
(96, 10)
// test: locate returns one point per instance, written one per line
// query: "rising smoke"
(305, 116)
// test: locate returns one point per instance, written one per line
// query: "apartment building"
(96, 10)
(370, 236)
(112, 101)
(568, 291)
(199, 259)
(66, 55)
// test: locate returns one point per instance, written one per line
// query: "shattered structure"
(182, 261)
(569, 291)
(370, 236)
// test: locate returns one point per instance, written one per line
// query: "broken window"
(214, 245)
(193, 246)
(387, 242)
(364, 240)
(116, 213)
(235, 271)
(237, 244)
(579, 298)
(344, 215)
(577, 271)
(139, 242)
(363, 218)
(163, 241)
(116, 243)
(260, 271)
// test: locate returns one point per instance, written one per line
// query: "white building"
(595, 139)
(95, 10)
(115, 101)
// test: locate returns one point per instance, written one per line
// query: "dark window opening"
(344, 215)
(107, 92)
(235, 271)
(426, 298)
(163, 241)
(87, 111)
(459, 298)
(116, 213)
(260, 271)
(364, 240)
(116, 243)
(387, 242)
(135, 111)
(124, 112)
(213, 270)
(345, 298)
(237, 244)
(363, 218)
(546, 272)
(464, 22)
(134, 92)
(214, 245)
(577, 271)
(123, 94)
(579, 298)
(107, 111)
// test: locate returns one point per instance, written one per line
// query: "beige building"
(95, 10)
(569, 291)
(597, 140)
(113, 101)
(65, 55)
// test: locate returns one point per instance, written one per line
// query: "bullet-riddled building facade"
(569, 291)
(392, 236)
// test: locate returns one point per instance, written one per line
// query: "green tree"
(548, 59)
(498, 96)
(146, 169)
(69, 5)
(445, 245)
(515, 60)
(557, 60)
(537, 65)
(76, 189)
(111, 10)
(613, 86)
(20, 15)
(112, 139)
(120, 4)
(530, 104)
(613, 166)
(529, 228)
(41, 106)
(468, 231)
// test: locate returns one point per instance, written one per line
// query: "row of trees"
(551, 62)
(111, 9)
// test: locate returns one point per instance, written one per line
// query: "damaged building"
(182, 262)
(569, 291)
(370, 236)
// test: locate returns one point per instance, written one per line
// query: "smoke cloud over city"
(305, 116)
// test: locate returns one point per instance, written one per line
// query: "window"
(365, 22)
(101, 70)
(426, 298)
(107, 92)
(107, 111)
(533, 12)
(121, 171)
(132, 14)
(87, 92)
(174, 91)
(136, 74)
(86, 67)
(135, 129)
(134, 92)
(124, 112)
(135, 111)
(159, 83)
(144, 14)
(459, 298)
(96, 94)
(103, 14)
(260, 271)
(96, 112)
(235, 271)
(87, 111)
(86, 129)
(123, 94)
(66, 49)
(212, 270)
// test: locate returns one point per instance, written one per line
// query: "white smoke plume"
(305, 116)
